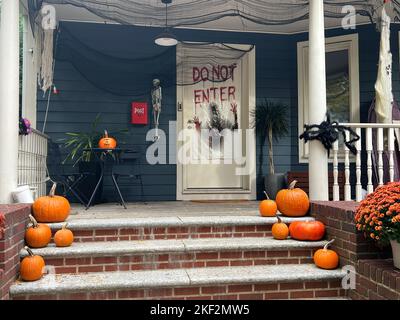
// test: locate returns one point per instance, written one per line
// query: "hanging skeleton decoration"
(328, 133)
(156, 95)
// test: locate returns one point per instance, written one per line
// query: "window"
(342, 83)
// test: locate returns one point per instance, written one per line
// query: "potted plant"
(271, 123)
(378, 217)
(76, 143)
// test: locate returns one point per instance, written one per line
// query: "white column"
(9, 97)
(29, 87)
(318, 157)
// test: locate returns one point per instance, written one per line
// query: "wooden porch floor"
(166, 209)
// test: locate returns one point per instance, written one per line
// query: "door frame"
(221, 194)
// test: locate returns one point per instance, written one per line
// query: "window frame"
(339, 43)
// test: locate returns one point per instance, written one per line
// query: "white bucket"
(396, 253)
(23, 194)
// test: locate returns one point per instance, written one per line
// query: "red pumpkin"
(107, 142)
(268, 207)
(325, 258)
(307, 230)
(293, 202)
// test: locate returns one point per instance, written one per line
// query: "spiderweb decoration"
(197, 12)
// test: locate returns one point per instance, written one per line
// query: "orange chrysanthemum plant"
(378, 216)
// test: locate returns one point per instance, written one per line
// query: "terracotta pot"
(396, 253)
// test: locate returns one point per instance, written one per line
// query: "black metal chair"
(127, 167)
(69, 180)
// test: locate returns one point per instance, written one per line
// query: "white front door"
(216, 92)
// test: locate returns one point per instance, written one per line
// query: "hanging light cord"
(166, 15)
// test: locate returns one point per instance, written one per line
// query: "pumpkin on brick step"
(307, 230)
(268, 207)
(293, 202)
(64, 237)
(280, 230)
(38, 235)
(326, 258)
(32, 267)
(107, 142)
(51, 208)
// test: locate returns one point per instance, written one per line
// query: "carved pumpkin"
(307, 230)
(51, 208)
(325, 258)
(64, 237)
(32, 267)
(107, 142)
(38, 235)
(268, 207)
(280, 230)
(293, 202)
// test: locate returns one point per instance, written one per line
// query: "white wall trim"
(349, 42)
(29, 74)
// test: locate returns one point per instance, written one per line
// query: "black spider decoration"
(328, 132)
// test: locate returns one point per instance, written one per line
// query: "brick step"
(172, 254)
(162, 228)
(244, 283)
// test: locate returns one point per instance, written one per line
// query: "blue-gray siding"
(276, 62)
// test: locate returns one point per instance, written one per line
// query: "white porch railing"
(385, 142)
(32, 157)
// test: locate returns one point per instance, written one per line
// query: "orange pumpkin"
(32, 267)
(280, 230)
(51, 208)
(268, 207)
(38, 235)
(325, 258)
(293, 202)
(64, 237)
(107, 142)
(307, 230)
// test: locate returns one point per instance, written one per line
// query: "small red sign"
(139, 113)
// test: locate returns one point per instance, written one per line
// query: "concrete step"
(258, 282)
(176, 227)
(170, 254)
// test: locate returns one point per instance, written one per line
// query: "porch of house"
(197, 249)
(166, 209)
(180, 250)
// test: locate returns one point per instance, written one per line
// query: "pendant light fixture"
(167, 38)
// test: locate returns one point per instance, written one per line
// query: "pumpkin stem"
(65, 226)
(266, 195)
(33, 220)
(105, 134)
(53, 190)
(29, 251)
(293, 185)
(279, 219)
(328, 244)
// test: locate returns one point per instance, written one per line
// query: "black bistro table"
(111, 156)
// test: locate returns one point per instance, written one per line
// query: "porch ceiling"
(66, 12)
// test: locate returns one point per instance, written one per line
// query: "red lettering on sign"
(231, 93)
(196, 74)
